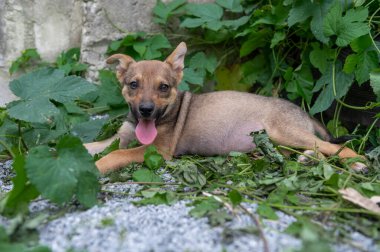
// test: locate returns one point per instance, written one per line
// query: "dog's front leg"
(120, 158)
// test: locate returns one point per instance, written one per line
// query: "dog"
(206, 124)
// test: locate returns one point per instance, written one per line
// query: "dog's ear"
(177, 57)
(124, 62)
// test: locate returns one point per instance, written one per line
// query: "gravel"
(119, 225)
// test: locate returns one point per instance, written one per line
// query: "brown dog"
(207, 124)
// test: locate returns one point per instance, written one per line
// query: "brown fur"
(206, 124)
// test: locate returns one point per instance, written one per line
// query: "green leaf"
(321, 58)
(277, 38)
(207, 15)
(203, 207)
(109, 90)
(17, 200)
(343, 82)
(375, 82)
(267, 212)
(58, 174)
(350, 63)
(163, 11)
(203, 62)
(145, 175)
(328, 171)
(348, 27)
(302, 10)
(88, 131)
(27, 57)
(256, 40)
(157, 196)
(190, 76)
(231, 5)
(235, 197)
(37, 89)
(9, 134)
(152, 158)
(367, 61)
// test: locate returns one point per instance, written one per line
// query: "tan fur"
(206, 124)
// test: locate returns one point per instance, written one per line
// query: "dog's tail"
(322, 132)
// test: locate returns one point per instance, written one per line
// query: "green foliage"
(61, 173)
(38, 89)
(297, 49)
(67, 61)
(28, 58)
(152, 158)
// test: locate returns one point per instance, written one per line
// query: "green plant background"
(310, 52)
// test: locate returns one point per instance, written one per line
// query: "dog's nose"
(146, 109)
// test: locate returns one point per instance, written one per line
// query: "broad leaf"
(145, 175)
(231, 5)
(302, 10)
(163, 11)
(152, 158)
(207, 15)
(59, 174)
(37, 89)
(348, 27)
(343, 82)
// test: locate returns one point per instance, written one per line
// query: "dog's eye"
(164, 87)
(133, 84)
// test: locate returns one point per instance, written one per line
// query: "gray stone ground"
(118, 225)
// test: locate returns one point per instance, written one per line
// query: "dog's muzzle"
(146, 109)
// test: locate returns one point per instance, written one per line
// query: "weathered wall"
(52, 26)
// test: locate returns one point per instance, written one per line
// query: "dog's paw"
(359, 167)
(306, 157)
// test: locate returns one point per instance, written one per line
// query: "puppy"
(207, 124)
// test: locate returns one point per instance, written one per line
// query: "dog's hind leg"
(300, 138)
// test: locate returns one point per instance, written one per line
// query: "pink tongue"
(146, 131)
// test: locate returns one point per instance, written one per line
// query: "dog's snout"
(146, 108)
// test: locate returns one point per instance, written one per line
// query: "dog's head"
(149, 87)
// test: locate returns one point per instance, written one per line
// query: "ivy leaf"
(38, 88)
(61, 173)
(163, 11)
(17, 200)
(348, 27)
(343, 82)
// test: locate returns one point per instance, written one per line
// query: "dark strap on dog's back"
(180, 121)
